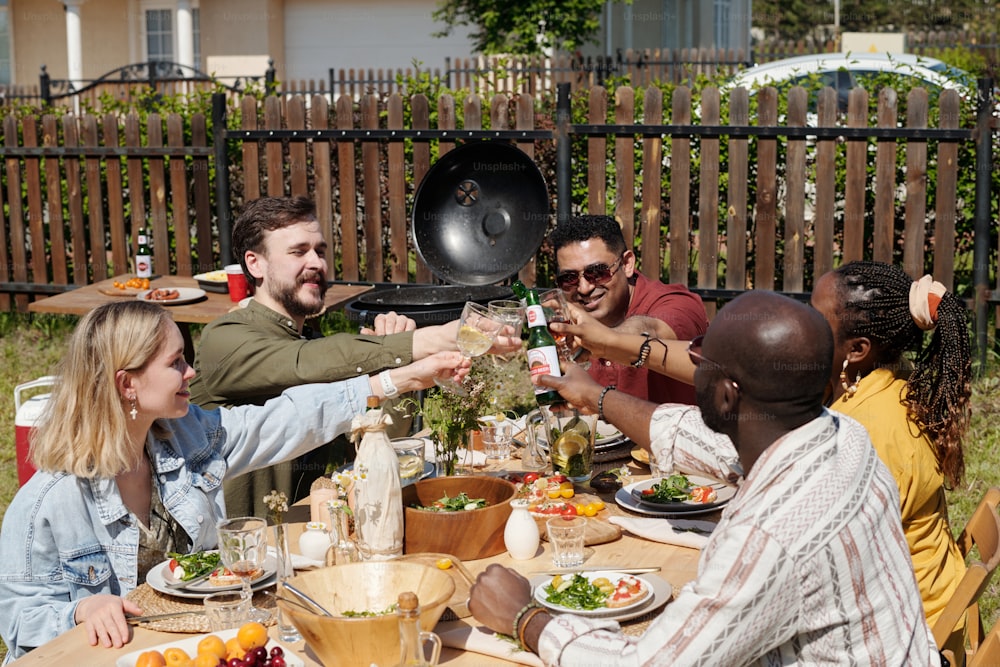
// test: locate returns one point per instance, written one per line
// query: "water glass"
(566, 535)
(656, 470)
(226, 610)
(497, 440)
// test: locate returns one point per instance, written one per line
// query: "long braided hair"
(875, 299)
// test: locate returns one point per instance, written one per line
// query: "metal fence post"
(269, 77)
(222, 204)
(44, 90)
(982, 239)
(563, 163)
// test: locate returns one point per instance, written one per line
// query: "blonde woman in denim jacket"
(128, 470)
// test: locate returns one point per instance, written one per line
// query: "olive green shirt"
(253, 354)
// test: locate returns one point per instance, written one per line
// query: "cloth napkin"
(299, 562)
(460, 635)
(680, 532)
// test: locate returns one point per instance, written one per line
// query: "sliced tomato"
(173, 564)
(703, 494)
(530, 477)
(559, 478)
(648, 492)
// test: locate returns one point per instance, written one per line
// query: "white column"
(185, 34)
(74, 42)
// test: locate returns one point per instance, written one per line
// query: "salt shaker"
(520, 535)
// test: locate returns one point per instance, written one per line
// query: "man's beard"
(288, 296)
(709, 414)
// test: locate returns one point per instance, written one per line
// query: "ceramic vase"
(520, 535)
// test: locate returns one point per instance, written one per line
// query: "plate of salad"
(682, 493)
(193, 566)
(606, 594)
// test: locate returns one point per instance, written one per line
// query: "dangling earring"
(133, 411)
(851, 389)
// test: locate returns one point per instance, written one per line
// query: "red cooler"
(27, 414)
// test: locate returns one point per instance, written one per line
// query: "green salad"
(575, 593)
(673, 488)
(459, 503)
(194, 565)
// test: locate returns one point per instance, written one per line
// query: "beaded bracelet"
(600, 400)
(643, 351)
(517, 617)
(527, 619)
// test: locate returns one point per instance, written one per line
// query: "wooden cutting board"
(114, 291)
(459, 601)
(599, 531)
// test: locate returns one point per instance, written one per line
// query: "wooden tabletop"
(678, 566)
(82, 300)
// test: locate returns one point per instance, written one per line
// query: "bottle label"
(543, 361)
(143, 266)
(536, 316)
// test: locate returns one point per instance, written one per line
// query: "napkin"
(299, 562)
(680, 532)
(460, 635)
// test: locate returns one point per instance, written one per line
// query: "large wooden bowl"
(342, 641)
(470, 534)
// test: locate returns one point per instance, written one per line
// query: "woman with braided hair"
(916, 412)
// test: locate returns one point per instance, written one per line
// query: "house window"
(722, 22)
(159, 34)
(4, 43)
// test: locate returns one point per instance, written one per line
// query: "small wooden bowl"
(470, 534)
(341, 641)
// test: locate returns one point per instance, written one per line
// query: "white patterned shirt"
(808, 565)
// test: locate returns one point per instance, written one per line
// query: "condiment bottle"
(543, 355)
(411, 639)
(520, 535)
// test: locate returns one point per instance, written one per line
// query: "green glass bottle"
(543, 356)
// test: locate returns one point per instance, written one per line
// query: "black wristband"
(643, 352)
(600, 401)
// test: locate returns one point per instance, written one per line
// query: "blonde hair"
(83, 430)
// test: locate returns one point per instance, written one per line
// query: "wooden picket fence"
(73, 195)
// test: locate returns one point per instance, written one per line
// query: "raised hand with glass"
(476, 332)
(242, 549)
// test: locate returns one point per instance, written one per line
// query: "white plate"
(614, 577)
(661, 591)
(184, 295)
(624, 498)
(218, 276)
(429, 469)
(155, 579)
(190, 646)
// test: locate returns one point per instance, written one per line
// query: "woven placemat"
(153, 602)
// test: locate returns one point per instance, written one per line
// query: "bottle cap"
(408, 601)
(372, 402)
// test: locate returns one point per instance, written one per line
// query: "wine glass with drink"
(242, 549)
(477, 329)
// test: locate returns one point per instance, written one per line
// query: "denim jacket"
(64, 538)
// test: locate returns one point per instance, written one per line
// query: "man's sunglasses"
(595, 274)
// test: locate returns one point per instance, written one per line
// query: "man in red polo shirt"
(597, 272)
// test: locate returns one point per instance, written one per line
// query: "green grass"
(32, 346)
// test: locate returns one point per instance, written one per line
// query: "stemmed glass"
(477, 330)
(509, 312)
(242, 548)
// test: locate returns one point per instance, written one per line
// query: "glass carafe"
(342, 547)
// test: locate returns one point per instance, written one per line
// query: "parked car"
(844, 71)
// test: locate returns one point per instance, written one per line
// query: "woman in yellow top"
(916, 412)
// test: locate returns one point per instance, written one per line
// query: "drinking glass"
(477, 330)
(556, 310)
(242, 548)
(509, 312)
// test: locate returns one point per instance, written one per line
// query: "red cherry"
(276, 652)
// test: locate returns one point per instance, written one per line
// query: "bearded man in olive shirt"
(254, 353)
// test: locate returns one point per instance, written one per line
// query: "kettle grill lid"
(480, 213)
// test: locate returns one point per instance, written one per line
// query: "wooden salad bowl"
(468, 534)
(351, 641)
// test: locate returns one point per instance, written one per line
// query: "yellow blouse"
(907, 452)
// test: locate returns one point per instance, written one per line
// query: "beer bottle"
(543, 356)
(143, 257)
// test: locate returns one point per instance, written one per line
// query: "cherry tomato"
(559, 478)
(530, 477)
(173, 564)
(648, 492)
(568, 511)
(590, 509)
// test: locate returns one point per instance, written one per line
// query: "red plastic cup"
(237, 283)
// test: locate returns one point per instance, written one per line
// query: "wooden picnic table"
(678, 566)
(82, 300)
